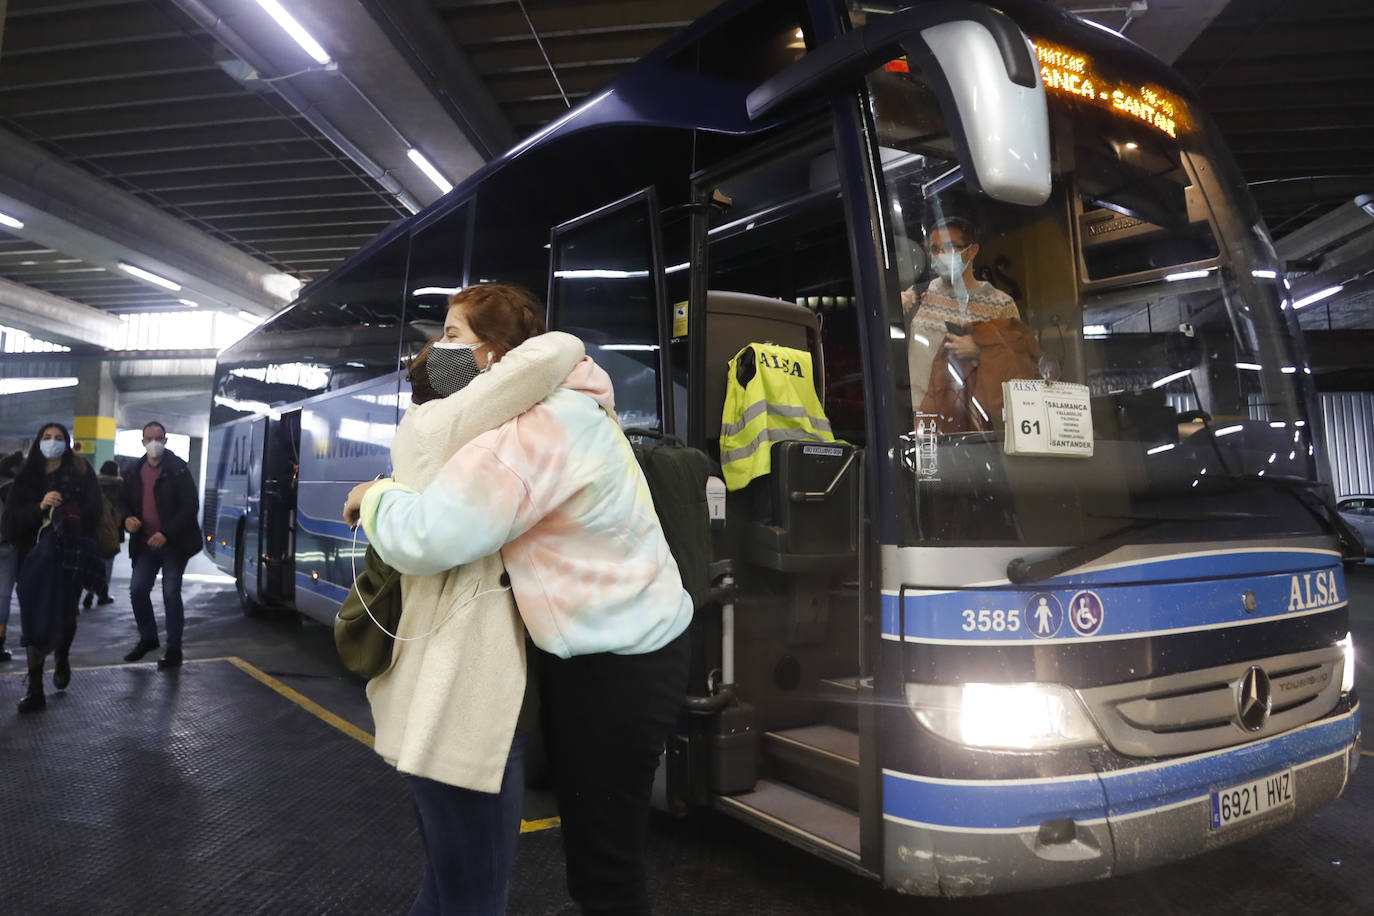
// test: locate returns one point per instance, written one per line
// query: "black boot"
(5, 654)
(62, 671)
(34, 701)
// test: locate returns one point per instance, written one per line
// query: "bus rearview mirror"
(980, 66)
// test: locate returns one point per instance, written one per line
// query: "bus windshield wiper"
(1022, 571)
(1308, 493)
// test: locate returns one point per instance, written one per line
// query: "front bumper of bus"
(966, 837)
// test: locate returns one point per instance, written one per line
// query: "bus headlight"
(1018, 717)
(1348, 674)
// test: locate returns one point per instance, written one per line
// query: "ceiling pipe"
(1307, 188)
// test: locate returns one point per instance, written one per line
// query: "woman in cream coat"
(445, 710)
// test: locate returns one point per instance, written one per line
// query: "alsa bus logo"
(788, 366)
(1311, 590)
(238, 456)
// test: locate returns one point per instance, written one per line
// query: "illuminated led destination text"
(1070, 73)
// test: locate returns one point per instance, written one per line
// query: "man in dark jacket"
(160, 508)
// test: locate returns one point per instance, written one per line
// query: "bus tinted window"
(438, 255)
(784, 237)
(344, 331)
(603, 291)
(735, 52)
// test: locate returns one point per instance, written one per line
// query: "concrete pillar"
(93, 426)
(196, 460)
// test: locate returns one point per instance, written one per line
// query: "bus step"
(819, 759)
(812, 823)
(837, 700)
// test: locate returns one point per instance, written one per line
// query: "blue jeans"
(469, 841)
(146, 566)
(9, 566)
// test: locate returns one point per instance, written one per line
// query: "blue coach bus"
(1075, 613)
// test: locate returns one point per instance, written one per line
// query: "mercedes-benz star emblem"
(1254, 700)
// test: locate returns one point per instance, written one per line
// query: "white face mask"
(52, 448)
(155, 448)
(948, 264)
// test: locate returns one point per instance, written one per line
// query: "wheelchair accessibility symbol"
(1086, 613)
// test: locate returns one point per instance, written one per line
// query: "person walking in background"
(160, 508)
(558, 491)
(50, 518)
(9, 557)
(112, 487)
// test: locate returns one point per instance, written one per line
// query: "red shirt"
(151, 523)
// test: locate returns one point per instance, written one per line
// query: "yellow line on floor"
(348, 728)
(304, 702)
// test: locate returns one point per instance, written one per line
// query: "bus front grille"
(1199, 710)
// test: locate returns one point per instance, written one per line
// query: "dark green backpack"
(677, 481)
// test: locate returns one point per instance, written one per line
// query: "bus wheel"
(247, 603)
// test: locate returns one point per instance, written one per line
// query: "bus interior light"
(1187, 275)
(1021, 717)
(10, 222)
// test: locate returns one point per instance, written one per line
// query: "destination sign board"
(1071, 73)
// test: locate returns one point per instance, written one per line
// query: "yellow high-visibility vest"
(779, 402)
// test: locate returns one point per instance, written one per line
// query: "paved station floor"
(243, 783)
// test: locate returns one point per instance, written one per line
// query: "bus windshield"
(1119, 359)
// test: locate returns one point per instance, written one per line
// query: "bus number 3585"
(997, 621)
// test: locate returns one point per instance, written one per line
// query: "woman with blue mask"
(54, 487)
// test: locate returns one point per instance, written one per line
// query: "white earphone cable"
(353, 558)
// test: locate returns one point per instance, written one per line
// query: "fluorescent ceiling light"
(636, 347)
(1160, 383)
(1318, 296)
(10, 222)
(293, 28)
(1094, 330)
(437, 291)
(150, 277)
(1265, 274)
(19, 385)
(1159, 448)
(1187, 275)
(190, 303)
(598, 274)
(1254, 367)
(433, 174)
(1288, 370)
(1227, 430)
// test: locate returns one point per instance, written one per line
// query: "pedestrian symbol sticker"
(1044, 614)
(1086, 613)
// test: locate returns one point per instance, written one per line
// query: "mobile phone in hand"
(958, 329)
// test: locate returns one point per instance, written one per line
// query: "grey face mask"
(451, 366)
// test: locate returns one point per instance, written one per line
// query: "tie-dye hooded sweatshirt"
(558, 491)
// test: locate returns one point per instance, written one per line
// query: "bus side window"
(438, 256)
(605, 289)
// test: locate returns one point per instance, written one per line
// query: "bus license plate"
(1251, 799)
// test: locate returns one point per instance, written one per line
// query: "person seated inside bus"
(964, 337)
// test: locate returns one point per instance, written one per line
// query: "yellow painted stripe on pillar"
(348, 728)
(93, 427)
